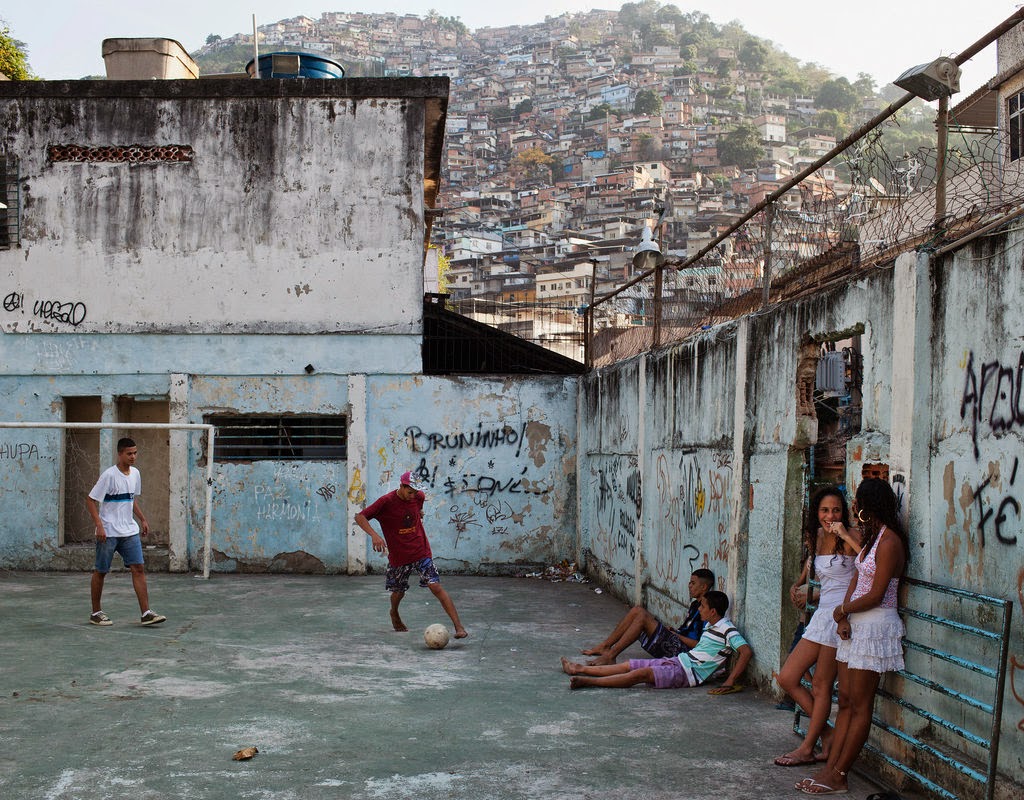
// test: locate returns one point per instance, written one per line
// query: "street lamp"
(935, 81)
(647, 255)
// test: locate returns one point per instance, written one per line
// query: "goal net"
(49, 468)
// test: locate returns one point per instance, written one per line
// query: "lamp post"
(646, 257)
(935, 81)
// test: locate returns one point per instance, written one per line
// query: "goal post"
(168, 426)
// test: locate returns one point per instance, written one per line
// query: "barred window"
(279, 438)
(9, 203)
(1015, 113)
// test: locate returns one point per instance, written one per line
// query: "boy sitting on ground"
(654, 636)
(717, 643)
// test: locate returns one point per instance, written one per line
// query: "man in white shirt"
(113, 506)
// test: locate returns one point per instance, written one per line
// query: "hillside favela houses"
(253, 255)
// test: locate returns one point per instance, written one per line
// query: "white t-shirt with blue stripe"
(116, 493)
(716, 644)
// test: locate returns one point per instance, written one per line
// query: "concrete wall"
(497, 458)
(692, 456)
(291, 214)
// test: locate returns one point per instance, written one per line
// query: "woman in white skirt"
(870, 631)
(831, 547)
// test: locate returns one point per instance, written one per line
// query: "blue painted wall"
(497, 458)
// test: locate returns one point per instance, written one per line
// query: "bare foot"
(601, 661)
(396, 622)
(569, 667)
(461, 633)
(576, 682)
(592, 651)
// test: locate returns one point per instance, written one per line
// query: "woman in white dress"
(870, 631)
(831, 547)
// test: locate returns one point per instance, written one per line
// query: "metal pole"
(656, 332)
(942, 122)
(769, 217)
(209, 502)
(255, 50)
(588, 344)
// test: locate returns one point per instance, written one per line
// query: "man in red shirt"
(400, 516)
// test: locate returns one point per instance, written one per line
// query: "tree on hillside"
(864, 86)
(828, 119)
(836, 94)
(212, 39)
(647, 103)
(599, 112)
(741, 147)
(534, 161)
(753, 54)
(635, 15)
(524, 107)
(13, 57)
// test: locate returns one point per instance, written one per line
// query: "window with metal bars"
(1015, 115)
(9, 203)
(279, 438)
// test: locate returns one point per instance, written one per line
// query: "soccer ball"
(436, 636)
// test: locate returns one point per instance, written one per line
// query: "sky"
(880, 37)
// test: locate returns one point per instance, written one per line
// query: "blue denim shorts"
(397, 578)
(130, 548)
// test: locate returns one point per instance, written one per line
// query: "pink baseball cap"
(408, 480)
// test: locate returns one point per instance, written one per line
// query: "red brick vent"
(118, 154)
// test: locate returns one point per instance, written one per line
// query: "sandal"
(789, 760)
(814, 787)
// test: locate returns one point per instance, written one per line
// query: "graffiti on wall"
(68, 312)
(619, 505)
(992, 397)
(488, 472)
(357, 489)
(273, 503)
(997, 506)
(693, 509)
(991, 401)
(18, 451)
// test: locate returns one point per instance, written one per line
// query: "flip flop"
(793, 761)
(726, 689)
(814, 787)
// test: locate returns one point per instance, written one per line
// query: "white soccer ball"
(436, 636)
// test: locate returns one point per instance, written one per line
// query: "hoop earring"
(860, 515)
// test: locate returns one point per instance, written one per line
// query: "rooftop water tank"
(297, 65)
(147, 58)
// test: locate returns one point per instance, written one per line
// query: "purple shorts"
(668, 672)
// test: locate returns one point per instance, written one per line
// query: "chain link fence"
(856, 211)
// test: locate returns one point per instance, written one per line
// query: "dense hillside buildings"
(565, 137)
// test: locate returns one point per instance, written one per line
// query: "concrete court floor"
(307, 669)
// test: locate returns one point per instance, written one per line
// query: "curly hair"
(877, 501)
(811, 523)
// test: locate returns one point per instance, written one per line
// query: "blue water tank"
(295, 64)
